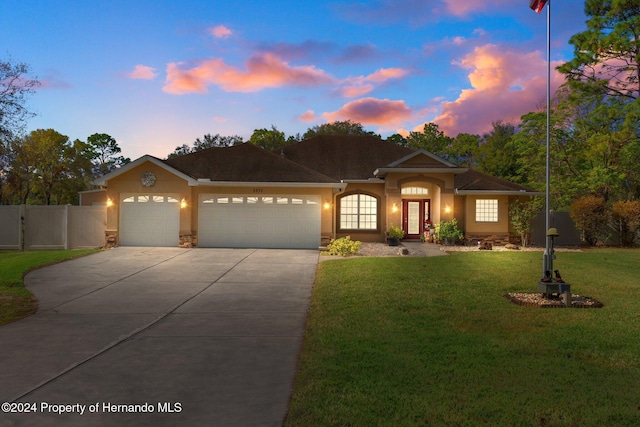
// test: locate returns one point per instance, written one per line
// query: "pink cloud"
(466, 7)
(359, 86)
(372, 111)
(220, 32)
(308, 116)
(505, 85)
(143, 72)
(262, 71)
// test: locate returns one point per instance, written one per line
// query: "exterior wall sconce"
(326, 205)
(394, 208)
(183, 203)
(109, 202)
(447, 209)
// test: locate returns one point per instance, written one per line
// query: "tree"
(14, 90)
(522, 214)
(346, 127)
(104, 152)
(431, 139)
(607, 54)
(269, 139)
(496, 155)
(626, 218)
(208, 141)
(47, 169)
(589, 213)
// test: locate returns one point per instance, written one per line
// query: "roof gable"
(421, 159)
(132, 165)
(244, 163)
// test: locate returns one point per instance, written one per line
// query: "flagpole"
(547, 261)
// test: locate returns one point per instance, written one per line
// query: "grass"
(16, 302)
(431, 341)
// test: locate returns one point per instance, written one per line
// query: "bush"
(626, 217)
(449, 230)
(589, 213)
(522, 215)
(343, 246)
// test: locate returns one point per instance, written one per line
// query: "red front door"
(416, 214)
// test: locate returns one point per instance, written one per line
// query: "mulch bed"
(535, 299)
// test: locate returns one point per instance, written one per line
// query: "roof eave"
(498, 192)
(384, 171)
(209, 183)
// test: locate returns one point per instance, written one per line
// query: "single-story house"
(299, 196)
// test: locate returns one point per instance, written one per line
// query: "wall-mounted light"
(326, 205)
(394, 208)
(447, 209)
(183, 203)
(109, 202)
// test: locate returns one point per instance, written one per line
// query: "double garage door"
(232, 221)
(261, 221)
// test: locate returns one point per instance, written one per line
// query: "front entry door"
(415, 217)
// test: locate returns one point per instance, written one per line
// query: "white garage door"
(149, 220)
(241, 221)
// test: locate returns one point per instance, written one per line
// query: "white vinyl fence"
(52, 227)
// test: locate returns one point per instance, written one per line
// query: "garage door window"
(359, 212)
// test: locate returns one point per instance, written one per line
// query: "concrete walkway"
(159, 337)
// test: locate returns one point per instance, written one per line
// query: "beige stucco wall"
(500, 227)
(376, 190)
(129, 183)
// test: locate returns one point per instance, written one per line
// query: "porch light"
(183, 203)
(109, 202)
(394, 208)
(447, 209)
(326, 205)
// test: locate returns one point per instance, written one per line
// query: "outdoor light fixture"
(183, 203)
(326, 205)
(109, 202)
(394, 208)
(447, 209)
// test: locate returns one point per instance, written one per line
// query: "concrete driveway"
(159, 337)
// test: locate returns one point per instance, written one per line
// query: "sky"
(158, 74)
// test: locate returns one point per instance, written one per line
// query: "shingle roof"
(244, 163)
(473, 180)
(344, 156)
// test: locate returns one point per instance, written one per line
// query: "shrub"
(522, 215)
(343, 246)
(449, 230)
(589, 213)
(396, 232)
(626, 217)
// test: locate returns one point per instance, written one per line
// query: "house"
(299, 196)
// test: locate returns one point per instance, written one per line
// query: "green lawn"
(16, 302)
(431, 341)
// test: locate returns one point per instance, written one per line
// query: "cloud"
(372, 111)
(359, 86)
(262, 71)
(53, 80)
(220, 32)
(143, 72)
(505, 85)
(308, 116)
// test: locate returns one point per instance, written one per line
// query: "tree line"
(595, 135)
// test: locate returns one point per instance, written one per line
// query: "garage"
(264, 221)
(149, 220)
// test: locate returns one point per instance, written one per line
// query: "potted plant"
(394, 235)
(449, 232)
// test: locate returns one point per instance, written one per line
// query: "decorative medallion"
(148, 179)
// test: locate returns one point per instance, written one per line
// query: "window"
(415, 191)
(486, 210)
(358, 212)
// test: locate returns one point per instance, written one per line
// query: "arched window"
(358, 212)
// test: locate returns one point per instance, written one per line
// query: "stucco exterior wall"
(473, 228)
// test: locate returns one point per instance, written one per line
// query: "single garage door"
(149, 220)
(241, 221)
